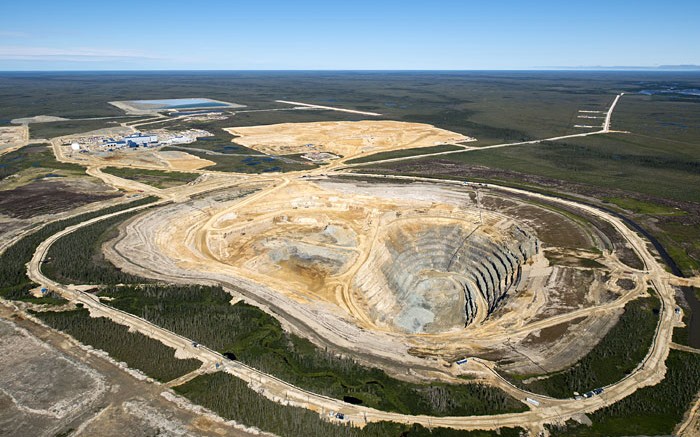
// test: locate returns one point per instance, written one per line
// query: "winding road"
(649, 372)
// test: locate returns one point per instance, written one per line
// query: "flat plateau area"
(342, 138)
(50, 385)
(12, 138)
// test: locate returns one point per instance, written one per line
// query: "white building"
(141, 139)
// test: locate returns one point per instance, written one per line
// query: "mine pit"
(407, 272)
(428, 277)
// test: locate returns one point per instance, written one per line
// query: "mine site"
(286, 266)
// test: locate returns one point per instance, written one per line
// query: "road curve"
(649, 372)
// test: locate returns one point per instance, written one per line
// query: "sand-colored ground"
(12, 138)
(37, 119)
(297, 246)
(387, 268)
(183, 160)
(153, 159)
(345, 138)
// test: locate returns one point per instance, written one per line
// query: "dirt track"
(649, 372)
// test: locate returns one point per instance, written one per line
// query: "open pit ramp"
(433, 276)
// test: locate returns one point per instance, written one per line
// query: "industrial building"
(133, 140)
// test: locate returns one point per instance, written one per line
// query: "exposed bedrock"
(428, 278)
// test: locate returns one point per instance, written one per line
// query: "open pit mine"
(405, 274)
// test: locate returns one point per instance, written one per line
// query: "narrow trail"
(604, 130)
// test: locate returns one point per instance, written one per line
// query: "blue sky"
(262, 34)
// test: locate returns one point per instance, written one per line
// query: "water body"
(179, 113)
(682, 92)
(191, 103)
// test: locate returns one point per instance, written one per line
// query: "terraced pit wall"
(442, 277)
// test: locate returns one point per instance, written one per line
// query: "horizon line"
(672, 68)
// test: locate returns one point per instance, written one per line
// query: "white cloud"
(79, 54)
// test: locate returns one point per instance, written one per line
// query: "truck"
(532, 401)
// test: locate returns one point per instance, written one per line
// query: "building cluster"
(133, 140)
(160, 137)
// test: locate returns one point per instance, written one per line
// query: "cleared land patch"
(43, 381)
(342, 138)
(12, 138)
(617, 354)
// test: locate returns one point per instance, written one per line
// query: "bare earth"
(342, 137)
(332, 260)
(49, 384)
(12, 138)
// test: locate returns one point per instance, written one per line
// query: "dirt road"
(650, 371)
(605, 130)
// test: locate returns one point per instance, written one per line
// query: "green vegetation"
(61, 128)
(681, 239)
(14, 283)
(458, 121)
(231, 398)
(677, 228)
(615, 356)
(135, 349)
(156, 178)
(404, 152)
(76, 258)
(250, 164)
(617, 161)
(257, 339)
(681, 334)
(642, 207)
(654, 410)
(37, 156)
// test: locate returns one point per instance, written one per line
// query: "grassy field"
(402, 153)
(649, 411)
(135, 349)
(251, 164)
(617, 354)
(14, 283)
(35, 156)
(156, 178)
(660, 117)
(233, 399)
(61, 128)
(618, 161)
(641, 207)
(252, 336)
(77, 258)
